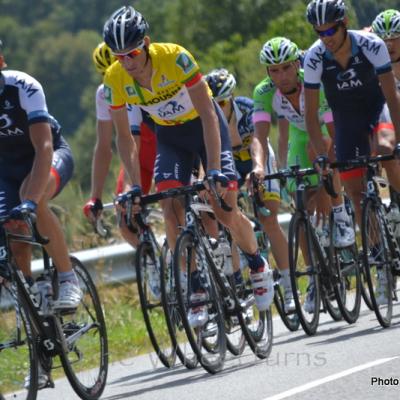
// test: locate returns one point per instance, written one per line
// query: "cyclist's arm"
(311, 100)
(126, 145)
(259, 144)
(202, 103)
(392, 98)
(283, 142)
(101, 157)
(42, 141)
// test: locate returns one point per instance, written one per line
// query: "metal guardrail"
(115, 263)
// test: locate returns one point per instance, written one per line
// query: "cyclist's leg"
(240, 226)
(383, 142)
(49, 226)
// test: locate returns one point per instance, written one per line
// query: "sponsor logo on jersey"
(8, 105)
(184, 62)
(29, 89)
(130, 91)
(371, 46)
(315, 59)
(170, 109)
(107, 94)
(165, 81)
(348, 80)
(162, 98)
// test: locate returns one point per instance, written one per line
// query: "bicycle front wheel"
(86, 360)
(189, 255)
(304, 274)
(18, 353)
(148, 275)
(377, 260)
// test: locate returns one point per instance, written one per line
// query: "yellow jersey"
(168, 103)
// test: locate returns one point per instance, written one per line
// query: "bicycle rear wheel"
(86, 361)
(377, 260)
(172, 314)
(304, 278)
(147, 265)
(18, 352)
(189, 253)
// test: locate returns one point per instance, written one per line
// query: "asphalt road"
(360, 361)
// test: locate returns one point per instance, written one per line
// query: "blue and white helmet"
(125, 29)
(321, 12)
(221, 82)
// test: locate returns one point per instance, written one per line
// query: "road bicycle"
(381, 250)
(33, 335)
(311, 275)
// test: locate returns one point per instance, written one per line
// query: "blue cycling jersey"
(22, 103)
(355, 87)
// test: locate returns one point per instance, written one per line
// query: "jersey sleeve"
(374, 48)
(263, 96)
(324, 110)
(112, 92)
(187, 67)
(32, 99)
(135, 118)
(102, 107)
(313, 66)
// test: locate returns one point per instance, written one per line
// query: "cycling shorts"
(298, 155)
(179, 146)
(12, 177)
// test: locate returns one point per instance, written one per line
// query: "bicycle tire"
(88, 319)
(18, 356)
(372, 228)
(187, 250)
(256, 325)
(290, 320)
(298, 274)
(172, 314)
(152, 308)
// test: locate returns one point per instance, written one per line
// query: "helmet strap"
(231, 112)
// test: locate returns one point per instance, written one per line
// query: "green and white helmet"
(278, 50)
(387, 24)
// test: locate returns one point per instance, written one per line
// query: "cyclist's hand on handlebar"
(219, 181)
(25, 208)
(321, 164)
(92, 209)
(17, 214)
(135, 195)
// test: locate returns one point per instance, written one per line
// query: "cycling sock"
(340, 213)
(67, 276)
(256, 261)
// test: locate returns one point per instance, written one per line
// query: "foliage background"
(53, 40)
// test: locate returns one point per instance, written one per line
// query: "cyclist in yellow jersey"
(165, 80)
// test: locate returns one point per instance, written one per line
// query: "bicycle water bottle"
(45, 288)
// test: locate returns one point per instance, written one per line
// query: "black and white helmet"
(125, 29)
(221, 82)
(321, 12)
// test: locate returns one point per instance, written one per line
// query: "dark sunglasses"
(328, 32)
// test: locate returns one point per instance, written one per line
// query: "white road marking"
(329, 378)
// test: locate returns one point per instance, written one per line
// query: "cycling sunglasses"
(131, 53)
(328, 32)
